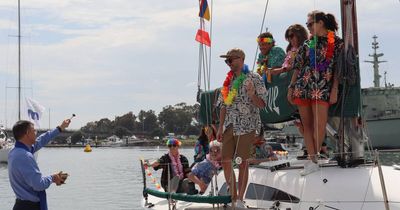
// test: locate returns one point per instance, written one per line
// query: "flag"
(35, 111)
(204, 11)
(203, 37)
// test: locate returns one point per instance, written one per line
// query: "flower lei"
(176, 165)
(262, 67)
(322, 66)
(229, 95)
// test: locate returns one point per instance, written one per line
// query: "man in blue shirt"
(25, 177)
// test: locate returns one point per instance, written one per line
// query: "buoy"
(87, 148)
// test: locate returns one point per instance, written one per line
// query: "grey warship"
(381, 107)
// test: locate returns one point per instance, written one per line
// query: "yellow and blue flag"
(204, 10)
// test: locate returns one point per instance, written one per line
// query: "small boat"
(5, 145)
(88, 148)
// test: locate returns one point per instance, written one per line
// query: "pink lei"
(176, 165)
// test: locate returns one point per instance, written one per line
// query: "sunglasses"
(290, 36)
(172, 146)
(230, 60)
(310, 24)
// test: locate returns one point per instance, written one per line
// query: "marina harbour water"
(106, 178)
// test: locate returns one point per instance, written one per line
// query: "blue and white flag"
(35, 111)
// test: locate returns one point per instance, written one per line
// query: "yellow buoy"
(87, 148)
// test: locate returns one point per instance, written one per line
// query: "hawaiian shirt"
(242, 114)
(310, 83)
(275, 58)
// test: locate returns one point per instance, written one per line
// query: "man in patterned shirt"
(241, 98)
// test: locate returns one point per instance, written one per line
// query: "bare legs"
(229, 176)
(314, 119)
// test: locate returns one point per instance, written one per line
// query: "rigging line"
(211, 27)
(366, 189)
(207, 97)
(261, 30)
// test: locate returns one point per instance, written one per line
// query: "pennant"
(203, 37)
(204, 10)
(35, 111)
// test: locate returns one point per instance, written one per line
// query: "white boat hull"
(4, 154)
(332, 187)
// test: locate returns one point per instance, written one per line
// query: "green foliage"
(178, 119)
(76, 137)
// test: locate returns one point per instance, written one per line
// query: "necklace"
(229, 95)
(262, 68)
(330, 48)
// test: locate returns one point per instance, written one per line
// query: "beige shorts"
(243, 142)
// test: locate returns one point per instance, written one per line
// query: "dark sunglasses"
(230, 60)
(290, 36)
(310, 24)
(172, 145)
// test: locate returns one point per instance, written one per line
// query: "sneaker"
(240, 204)
(309, 168)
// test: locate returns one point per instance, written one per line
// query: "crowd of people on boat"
(311, 59)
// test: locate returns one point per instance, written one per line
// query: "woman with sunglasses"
(270, 57)
(314, 87)
(296, 35)
(203, 171)
(173, 165)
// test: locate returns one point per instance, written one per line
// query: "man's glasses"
(290, 35)
(310, 24)
(172, 146)
(230, 60)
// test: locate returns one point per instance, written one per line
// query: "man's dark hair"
(20, 128)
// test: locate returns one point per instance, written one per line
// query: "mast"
(19, 61)
(376, 62)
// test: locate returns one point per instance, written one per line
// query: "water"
(107, 178)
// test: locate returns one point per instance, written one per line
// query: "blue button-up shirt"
(25, 177)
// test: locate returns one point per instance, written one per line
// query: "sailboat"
(350, 181)
(8, 143)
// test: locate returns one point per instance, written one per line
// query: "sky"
(101, 59)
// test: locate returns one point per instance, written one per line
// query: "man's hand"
(57, 179)
(251, 90)
(65, 124)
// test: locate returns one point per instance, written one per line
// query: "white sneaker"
(240, 204)
(309, 167)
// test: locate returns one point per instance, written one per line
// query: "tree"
(127, 121)
(147, 121)
(76, 137)
(122, 131)
(177, 119)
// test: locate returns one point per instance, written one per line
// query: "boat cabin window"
(262, 192)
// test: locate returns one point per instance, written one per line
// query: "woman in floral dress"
(314, 86)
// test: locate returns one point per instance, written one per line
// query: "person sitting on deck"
(262, 151)
(201, 148)
(175, 166)
(203, 171)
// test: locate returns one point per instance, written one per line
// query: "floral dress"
(312, 84)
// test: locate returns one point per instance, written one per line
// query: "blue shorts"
(204, 170)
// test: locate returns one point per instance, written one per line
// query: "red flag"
(203, 37)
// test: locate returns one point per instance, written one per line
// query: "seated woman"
(201, 148)
(203, 171)
(262, 151)
(174, 165)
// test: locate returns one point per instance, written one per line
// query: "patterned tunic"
(243, 115)
(312, 84)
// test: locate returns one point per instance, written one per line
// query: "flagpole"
(49, 119)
